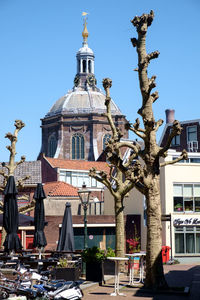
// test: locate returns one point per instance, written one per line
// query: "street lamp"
(84, 195)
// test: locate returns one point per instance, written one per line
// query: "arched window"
(106, 138)
(84, 66)
(89, 66)
(52, 145)
(78, 146)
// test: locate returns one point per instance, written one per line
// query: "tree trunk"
(154, 266)
(119, 223)
(3, 237)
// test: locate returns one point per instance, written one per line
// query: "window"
(106, 139)
(186, 197)
(78, 146)
(191, 133)
(77, 179)
(187, 240)
(190, 160)
(89, 66)
(84, 66)
(52, 145)
(175, 140)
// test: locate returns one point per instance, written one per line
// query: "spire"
(85, 78)
(85, 31)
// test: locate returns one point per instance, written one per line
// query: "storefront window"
(187, 240)
(179, 242)
(198, 242)
(190, 243)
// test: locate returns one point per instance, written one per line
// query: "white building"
(180, 197)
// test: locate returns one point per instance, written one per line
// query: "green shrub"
(93, 254)
(110, 252)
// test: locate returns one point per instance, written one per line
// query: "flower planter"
(94, 271)
(108, 267)
(68, 274)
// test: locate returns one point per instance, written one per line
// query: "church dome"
(82, 102)
(85, 97)
(75, 127)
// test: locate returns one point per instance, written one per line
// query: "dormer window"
(191, 133)
(176, 140)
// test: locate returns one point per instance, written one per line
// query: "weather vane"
(85, 31)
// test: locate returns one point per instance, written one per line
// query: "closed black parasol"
(39, 218)
(66, 238)
(10, 216)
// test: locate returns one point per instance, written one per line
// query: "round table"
(131, 256)
(117, 260)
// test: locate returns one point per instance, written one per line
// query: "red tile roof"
(60, 188)
(77, 164)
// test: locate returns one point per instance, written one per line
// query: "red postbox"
(165, 253)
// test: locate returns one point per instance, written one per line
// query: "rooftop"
(77, 164)
(60, 188)
(27, 168)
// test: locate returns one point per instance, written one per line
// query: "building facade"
(189, 139)
(180, 196)
(75, 127)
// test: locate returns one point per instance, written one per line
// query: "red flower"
(132, 242)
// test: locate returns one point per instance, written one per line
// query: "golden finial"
(85, 31)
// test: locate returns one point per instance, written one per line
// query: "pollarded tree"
(115, 181)
(9, 170)
(144, 176)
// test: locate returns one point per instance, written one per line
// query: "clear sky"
(38, 44)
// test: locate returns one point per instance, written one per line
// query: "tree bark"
(154, 266)
(119, 223)
(3, 236)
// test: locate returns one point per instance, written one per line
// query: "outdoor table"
(117, 260)
(141, 256)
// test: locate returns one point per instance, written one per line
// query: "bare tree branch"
(183, 155)
(176, 130)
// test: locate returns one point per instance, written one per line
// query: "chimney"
(169, 115)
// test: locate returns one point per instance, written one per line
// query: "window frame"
(52, 145)
(176, 141)
(185, 198)
(187, 130)
(77, 146)
(186, 230)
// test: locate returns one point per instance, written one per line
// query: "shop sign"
(186, 221)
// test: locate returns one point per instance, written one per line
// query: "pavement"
(179, 275)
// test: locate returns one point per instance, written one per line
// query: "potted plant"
(178, 207)
(109, 265)
(66, 269)
(93, 258)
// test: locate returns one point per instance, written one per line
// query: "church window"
(84, 66)
(52, 145)
(89, 66)
(106, 139)
(78, 146)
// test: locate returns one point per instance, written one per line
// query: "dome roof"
(82, 102)
(85, 50)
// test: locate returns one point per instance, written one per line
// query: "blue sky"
(38, 44)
